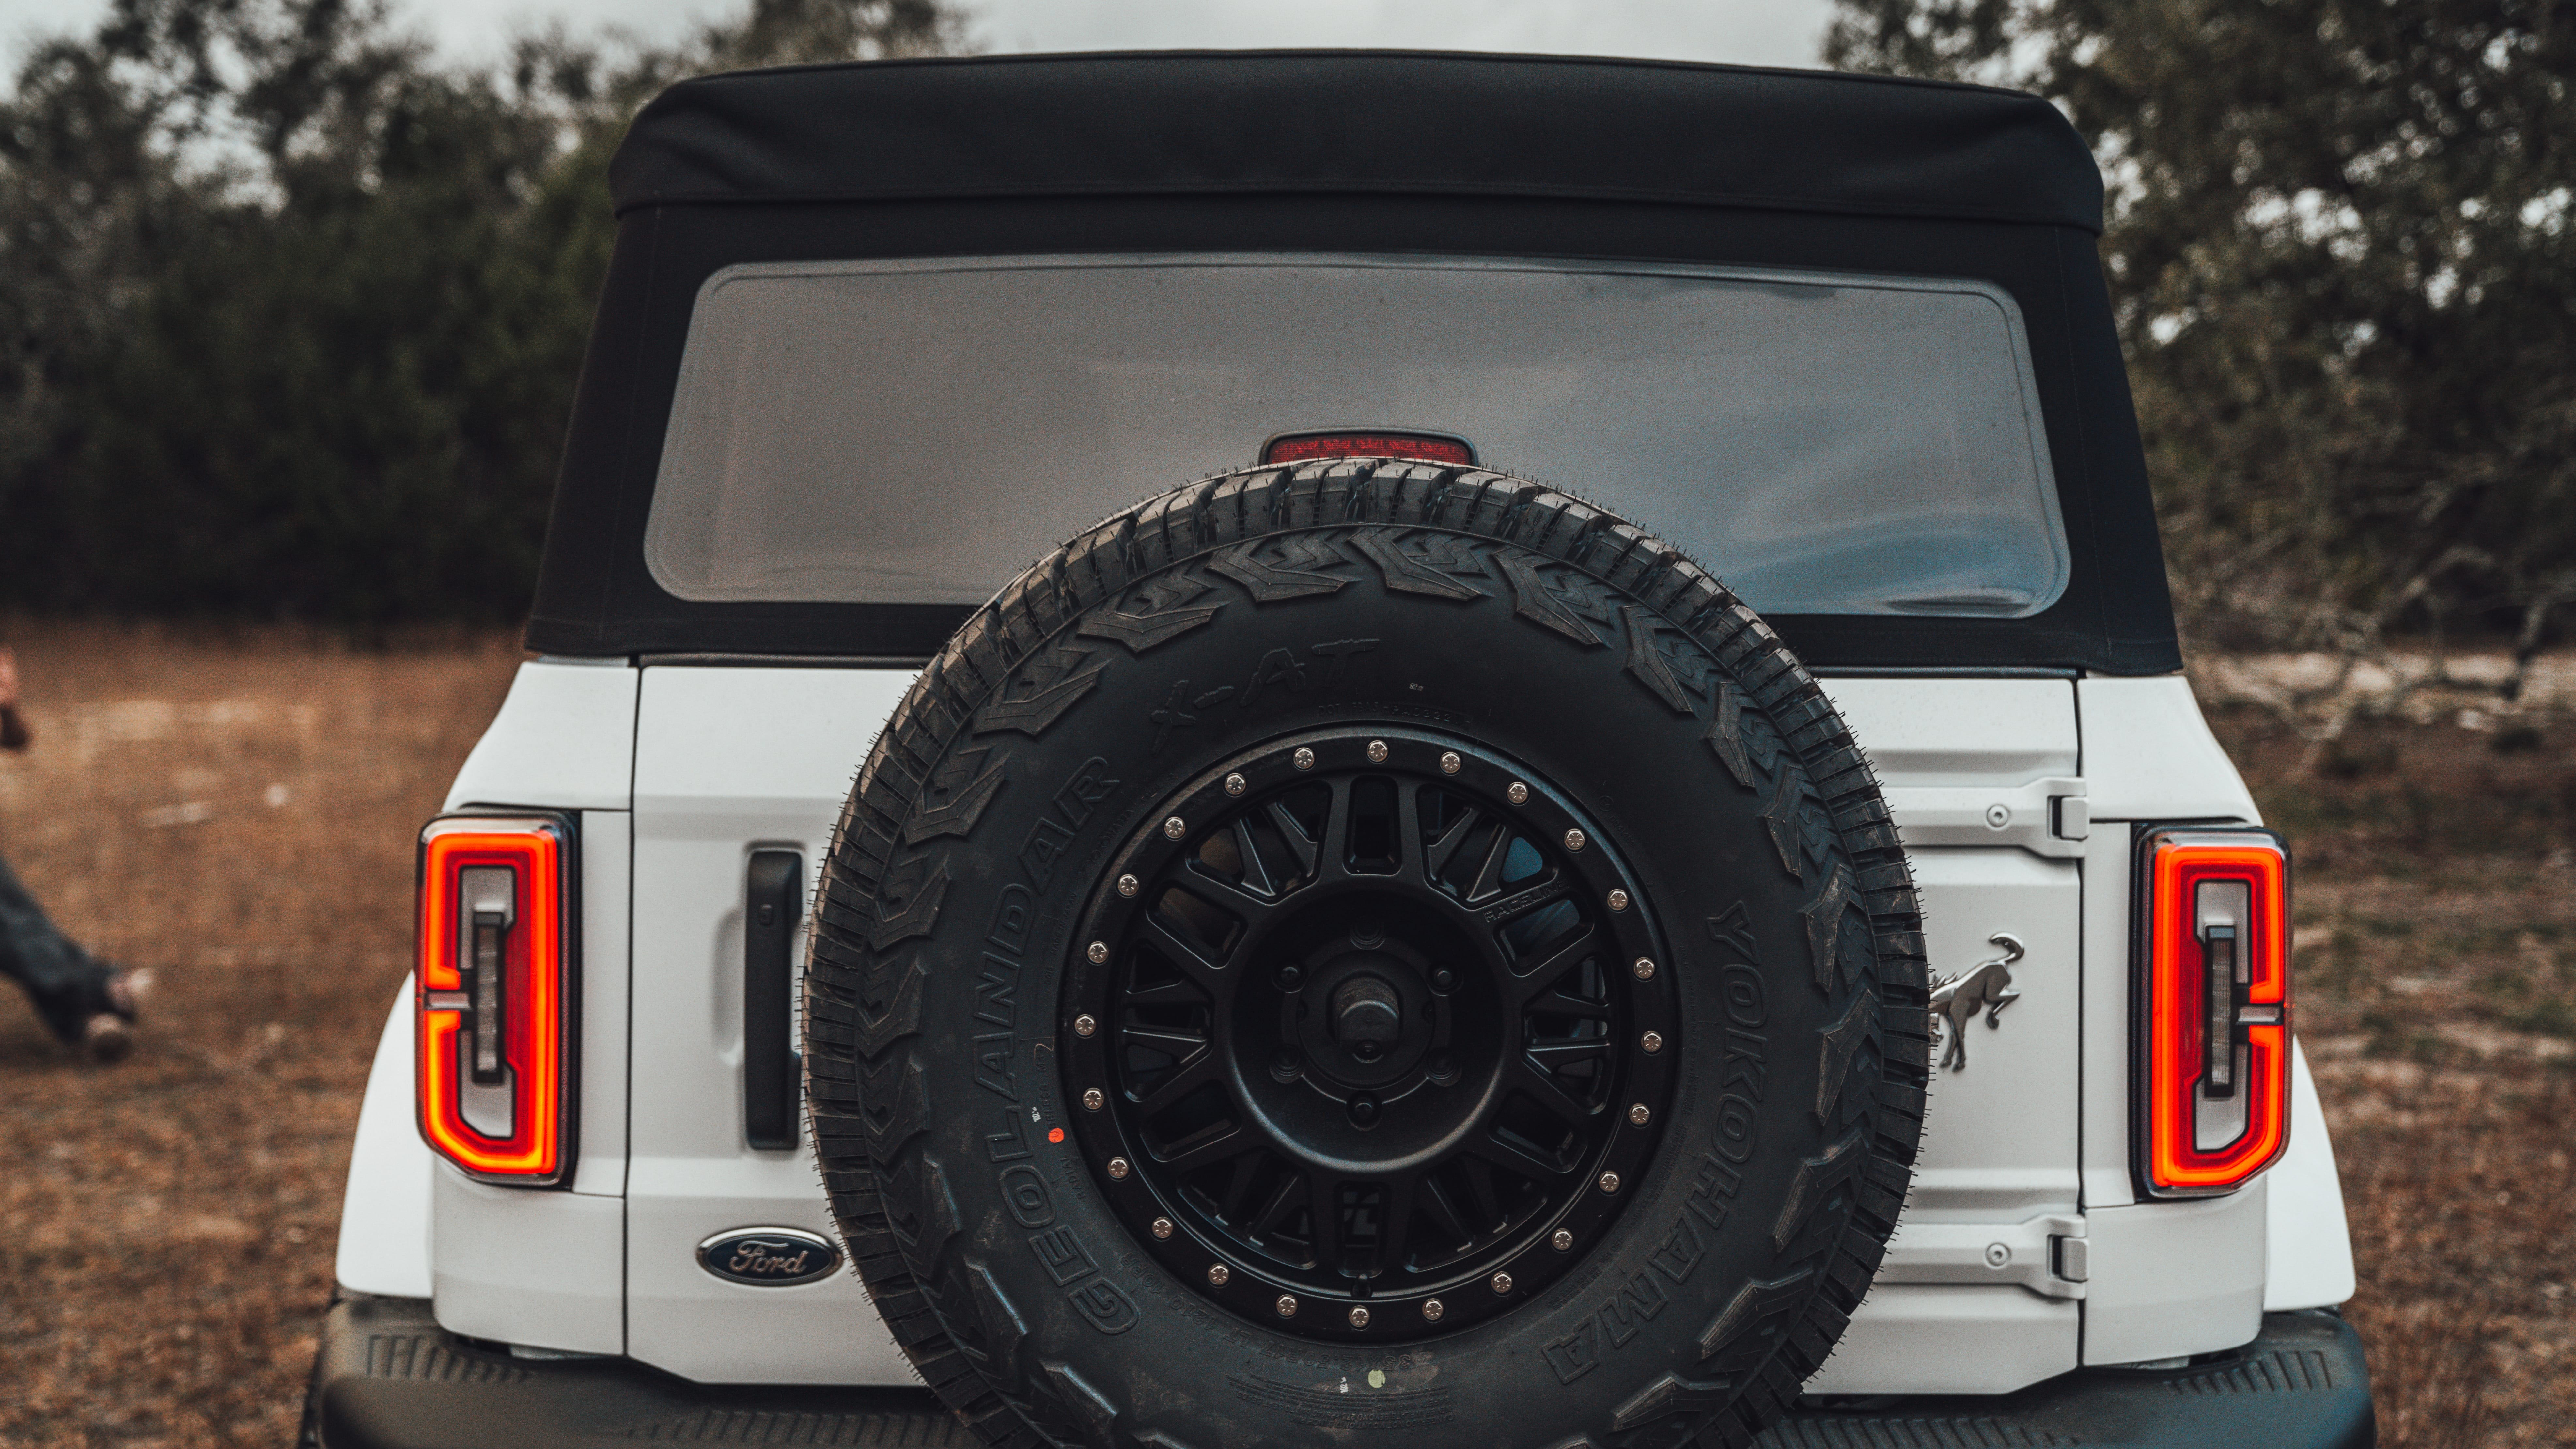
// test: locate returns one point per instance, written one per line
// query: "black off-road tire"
(1042, 748)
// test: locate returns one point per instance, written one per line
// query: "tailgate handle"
(772, 905)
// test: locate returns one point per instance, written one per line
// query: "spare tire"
(1366, 946)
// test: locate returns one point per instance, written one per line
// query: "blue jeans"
(67, 984)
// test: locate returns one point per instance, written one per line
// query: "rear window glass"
(918, 432)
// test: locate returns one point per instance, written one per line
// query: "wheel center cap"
(1368, 1016)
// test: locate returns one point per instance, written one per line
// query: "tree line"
(292, 311)
(2342, 242)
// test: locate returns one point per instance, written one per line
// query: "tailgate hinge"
(2045, 1254)
(2047, 817)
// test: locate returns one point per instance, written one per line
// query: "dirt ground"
(238, 814)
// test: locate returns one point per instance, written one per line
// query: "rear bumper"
(389, 1378)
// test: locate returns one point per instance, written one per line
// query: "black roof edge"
(1324, 122)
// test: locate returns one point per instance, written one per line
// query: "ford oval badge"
(768, 1257)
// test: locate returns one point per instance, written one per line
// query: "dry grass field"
(238, 812)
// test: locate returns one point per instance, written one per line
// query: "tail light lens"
(495, 1005)
(2213, 1077)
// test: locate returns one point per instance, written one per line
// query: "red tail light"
(495, 1007)
(2214, 1011)
(1368, 443)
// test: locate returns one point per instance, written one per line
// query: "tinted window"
(917, 432)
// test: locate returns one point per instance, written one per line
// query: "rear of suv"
(1365, 942)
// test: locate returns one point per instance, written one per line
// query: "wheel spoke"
(1435, 1203)
(1395, 1228)
(1249, 910)
(1501, 1151)
(1333, 848)
(1237, 1183)
(1558, 1053)
(1568, 954)
(1300, 844)
(1213, 1144)
(1480, 1186)
(1191, 1074)
(1209, 975)
(1544, 1090)
(1181, 1046)
(1437, 856)
(1256, 871)
(1181, 992)
(1560, 1003)
(1324, 1205)
(1489, 871)
(1286, 1196)
(1408, 832)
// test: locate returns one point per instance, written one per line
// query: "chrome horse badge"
(1987, 987)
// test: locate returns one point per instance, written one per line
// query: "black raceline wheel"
(1369, 946)
(1377, 1018)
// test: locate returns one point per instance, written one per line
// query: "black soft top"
(1378, 152)
(1355, 122)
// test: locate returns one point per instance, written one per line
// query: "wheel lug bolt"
(1098, 951)
(1175, 828)
(1645, 969)
(1517, 793)
(1574, 840)
(1128, 885)
(1287, 1305)
(1560, 1240)
(1288, 978)
(1218, 1273)
(1443, 1070)
(1234, 784)
(1652, 1041)
(1304, 759)
(1359, 1318)
(1444, 979)
(1450, 764)
(1162, 1227)
(1618, 900)
(1502, 1282)
(1285, 1064)
(1092, 1101)
(1118, 1169)
(1639, 1116)
(1363, 1110)
(1377, 752)
(1609, 1182)
(1084, 1026)
(1431, 1310)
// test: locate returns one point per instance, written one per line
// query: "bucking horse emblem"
(1987, 987)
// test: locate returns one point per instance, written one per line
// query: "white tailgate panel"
(2000, 1146)
(729, 760)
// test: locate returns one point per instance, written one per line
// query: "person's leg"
(70, 987)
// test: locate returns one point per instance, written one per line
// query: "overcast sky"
(1754, 32)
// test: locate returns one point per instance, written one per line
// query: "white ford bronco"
(1747, 940)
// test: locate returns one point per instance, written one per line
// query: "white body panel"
(2025, 1147)
(564, 740)
(1999, 1144)
(728, 761)
(384, 1215)
(536, 1268)
(2308, 1246)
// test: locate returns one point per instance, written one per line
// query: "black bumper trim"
(388, 1377)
